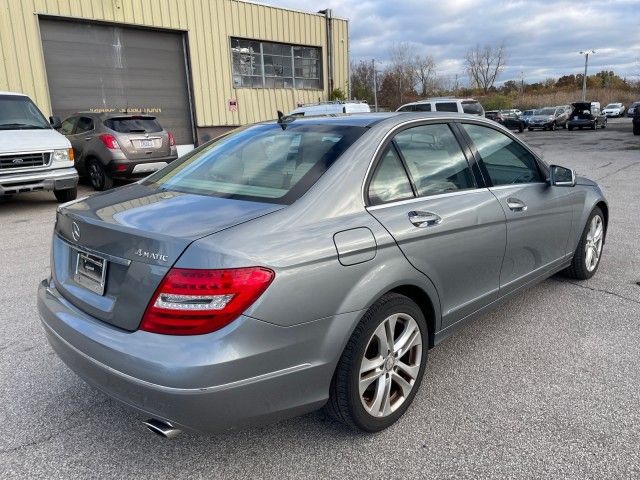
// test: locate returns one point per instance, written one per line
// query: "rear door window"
(389, 182)
(422, 107)
(472, 107)
(85, 124)
(434, 159)
(260, 163)
(133, 124)
(503, 159)
(446, 107)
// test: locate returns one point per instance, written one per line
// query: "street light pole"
(584, 79)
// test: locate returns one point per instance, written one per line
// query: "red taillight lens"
(109, 141)
(172, 141)
(193, 302)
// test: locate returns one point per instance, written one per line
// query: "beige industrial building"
(201, 66)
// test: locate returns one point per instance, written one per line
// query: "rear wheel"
(586, 258)
(100, 179)
(554, 127)
(636, 128)
(66, 195)
(382, 365)
(521, 128)
(593, 126)
(570, 129)
(564, 125)
(530, 129)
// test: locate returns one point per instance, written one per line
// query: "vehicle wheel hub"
(390, 365)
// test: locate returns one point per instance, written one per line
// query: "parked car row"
(103, 146)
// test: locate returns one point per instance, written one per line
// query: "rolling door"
(110, 68)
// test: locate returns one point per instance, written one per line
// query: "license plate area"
(145, 143)
(91, 272)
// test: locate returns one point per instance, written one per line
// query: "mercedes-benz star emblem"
(75, 231)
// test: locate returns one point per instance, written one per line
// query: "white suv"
(33, 156)
(459, 105)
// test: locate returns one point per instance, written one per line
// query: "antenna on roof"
(284, 120)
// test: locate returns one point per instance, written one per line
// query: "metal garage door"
(111, 68)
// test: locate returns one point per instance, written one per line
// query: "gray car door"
(424, 193)
(538, 216)
(81, 137)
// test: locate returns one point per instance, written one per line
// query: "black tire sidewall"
(362, 419)
(579, 266)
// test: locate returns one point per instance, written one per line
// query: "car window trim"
(93, 125)
(390, 137)
(435, 196)
(542, 166)
(392, 145)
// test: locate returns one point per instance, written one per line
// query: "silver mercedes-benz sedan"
(307, 262)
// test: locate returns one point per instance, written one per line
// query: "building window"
(275, 65)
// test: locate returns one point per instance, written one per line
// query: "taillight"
(109, 141)
(172, 141)
(193, 302)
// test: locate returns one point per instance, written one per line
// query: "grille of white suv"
(23, 160)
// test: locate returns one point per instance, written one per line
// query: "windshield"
(613, 105)
(20, 113)
(545, 111)
(260, 163)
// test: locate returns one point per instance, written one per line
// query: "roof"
(369, 119)
(105, 115)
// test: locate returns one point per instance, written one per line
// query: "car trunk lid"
(111, 251)
(140, 136)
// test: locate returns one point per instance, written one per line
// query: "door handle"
(516, 205)
(424, 219)
(87, 138)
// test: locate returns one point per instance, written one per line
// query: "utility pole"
(584, 79)
(375, 85)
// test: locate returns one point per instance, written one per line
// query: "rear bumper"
(126, 169)
(59, 179)
(249, 372)
(581, 123)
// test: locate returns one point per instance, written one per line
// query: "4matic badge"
(151, 256)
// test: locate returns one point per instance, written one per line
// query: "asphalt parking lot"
(547, 386)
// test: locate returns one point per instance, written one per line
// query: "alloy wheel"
(96, 175)
(593, 245)
(390, 365)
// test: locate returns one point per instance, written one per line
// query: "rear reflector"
(109, 141)
(193, 302)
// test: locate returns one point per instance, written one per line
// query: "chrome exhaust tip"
(162, 428)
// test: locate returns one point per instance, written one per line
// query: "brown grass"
(563, 97)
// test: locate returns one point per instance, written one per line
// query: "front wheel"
(554, 127)
(382, 365)
(586, 258)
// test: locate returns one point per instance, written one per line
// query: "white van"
(328, 108)
(33, 156)
(445, 104)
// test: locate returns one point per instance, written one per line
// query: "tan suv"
(112, 146)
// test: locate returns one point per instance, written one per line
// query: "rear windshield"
(20, 113)
(133, 125)
(260, 163)
(472, 107)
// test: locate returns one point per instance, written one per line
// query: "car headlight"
(63, 155)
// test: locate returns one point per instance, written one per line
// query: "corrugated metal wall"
(208, 23)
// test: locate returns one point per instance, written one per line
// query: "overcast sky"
(542, 36)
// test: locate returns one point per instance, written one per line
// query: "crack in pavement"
(616, 171)
(593, 289)
(41, 440)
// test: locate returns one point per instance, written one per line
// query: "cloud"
(543, 37)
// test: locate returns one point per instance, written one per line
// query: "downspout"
(329, 28)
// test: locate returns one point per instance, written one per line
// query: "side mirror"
(55, 122)
(561, 176)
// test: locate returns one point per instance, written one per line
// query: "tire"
(593, 126)
(66, 195)
(578, 268)
(570, 129)
(346, 404)
(100, 179)
(604, 125)
(520, 129)
(530, 129)
(564, 126)
(636, 128)
(554, 127)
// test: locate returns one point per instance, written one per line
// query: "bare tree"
(402, 69)
(425, 68)
(484, 64)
